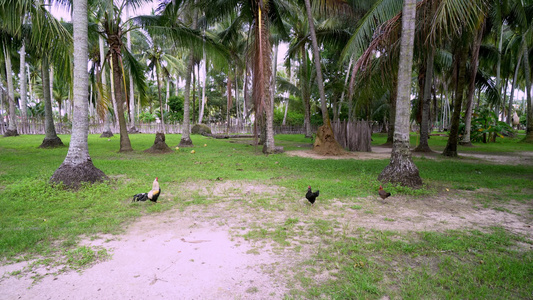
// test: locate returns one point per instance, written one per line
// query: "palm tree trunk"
(228, 102)
(23, 89)
(161, 110)
(262, 73)
(125, 144)
(113, 94)
(515, 78)
(12, 128)
(474, 62)
(194, 95)
(401, 168)
(202, 105)
(51, 139)
(107, 115)
(186, 131)
(325, 142)
(306, 94)
(529, 110)
(77, 166)
(392, 112)
(459, 76)
(423, 146)
(316, 56)
(132, 129)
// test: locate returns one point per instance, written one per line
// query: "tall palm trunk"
(401, 168)
(161, 108)
(316, 57)
(202, 103)
(77, 166)
(325, 142)
(474, 62)
(51, 139)
(529, 107)
(228, 102)
(12, 128)
(392, 111)
(304, 88)
(515, 78)
(107, 115)
(186, 130)
(262, 72)
(132, 129)
(23, 89)
(460, 82)
(423, 146)
(125, 144)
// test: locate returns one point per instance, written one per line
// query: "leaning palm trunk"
(515, 77)
(103, 74)
(325, 142)
(132, 129)
(12, 128)
(459, 76)
(77, 166)
(472, 88)
(529, 108)
(125, 144)
(51, 139)
(401, 168)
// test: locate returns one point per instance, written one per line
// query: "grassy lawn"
(38, 220)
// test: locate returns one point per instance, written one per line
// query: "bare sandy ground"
(198, 251)
(168, 256)
(378, 152)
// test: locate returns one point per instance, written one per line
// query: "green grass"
(425, 265)
(38, 220)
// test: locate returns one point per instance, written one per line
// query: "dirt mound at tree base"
(325, 143)
(51, 143)
(159, 145)
(73, 176)
(106, 134)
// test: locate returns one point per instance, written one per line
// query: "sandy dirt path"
(159, 257)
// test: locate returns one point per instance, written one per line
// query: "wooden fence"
(355, 136)
(35, 126)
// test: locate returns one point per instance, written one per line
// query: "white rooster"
(151, 195)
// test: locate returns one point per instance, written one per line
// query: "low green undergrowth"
(423, 265)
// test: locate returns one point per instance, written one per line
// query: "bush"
(200, 129)
(293, 118)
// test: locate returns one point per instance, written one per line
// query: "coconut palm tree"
(12, 128)
(401, 168)
(78, 166)
(261, 15)
(40, 35)
(114, 29)
(298, 50)
(171, 24)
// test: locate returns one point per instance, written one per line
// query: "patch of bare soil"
(377, 153)
(511, 158)
(224, 241)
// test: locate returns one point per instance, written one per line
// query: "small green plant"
(84, 256)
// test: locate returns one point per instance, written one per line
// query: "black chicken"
(382, 193)
(151, 195)
(311, 197)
